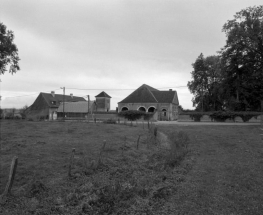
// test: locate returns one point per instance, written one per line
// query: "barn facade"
(163, 104)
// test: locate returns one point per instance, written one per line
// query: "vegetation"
(221, 116)
(111, 173)
(8, 51)
(133, 115)
(209, 169)
(233, 79)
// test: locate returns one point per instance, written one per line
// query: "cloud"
(112, 44)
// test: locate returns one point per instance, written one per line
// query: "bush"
(196, 116)
(246, 116)
(132, 114)
(110, 121)
(222, 116)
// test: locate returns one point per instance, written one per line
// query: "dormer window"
(53, 102)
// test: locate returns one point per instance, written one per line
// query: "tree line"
(233, 78)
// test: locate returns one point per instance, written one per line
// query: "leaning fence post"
(71, 161)
(10, 179)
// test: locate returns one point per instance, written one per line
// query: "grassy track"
(227, 175)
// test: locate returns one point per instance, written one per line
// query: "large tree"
(8, 51)
(206, 83)
(242, 57)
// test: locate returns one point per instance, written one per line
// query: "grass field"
(221, 173)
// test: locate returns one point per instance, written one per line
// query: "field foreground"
(220, 174)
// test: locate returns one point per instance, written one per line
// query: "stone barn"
(163, 104)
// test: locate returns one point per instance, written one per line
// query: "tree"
(206, 83)
(8, 51)
(242, 58)
(23, 111)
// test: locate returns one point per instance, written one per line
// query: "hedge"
(222, 116)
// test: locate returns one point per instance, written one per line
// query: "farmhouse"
(163, 104)
(51, 105)
(46, 104)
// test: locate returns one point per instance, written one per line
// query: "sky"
(89, 46)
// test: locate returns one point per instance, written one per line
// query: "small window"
(53, 102)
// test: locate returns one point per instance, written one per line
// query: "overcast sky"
(115, 46)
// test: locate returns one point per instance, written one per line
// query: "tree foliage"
(242, 58)
(233, 80)
(8, 51)
(205, 84)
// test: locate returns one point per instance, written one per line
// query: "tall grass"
(179, 142)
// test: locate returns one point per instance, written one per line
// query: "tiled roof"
(148, 94)
(58, 98)
(165, 96)
(103, 94)
(75, 107)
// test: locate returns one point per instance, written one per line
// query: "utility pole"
(63, 101)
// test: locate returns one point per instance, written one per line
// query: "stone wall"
(171, 109)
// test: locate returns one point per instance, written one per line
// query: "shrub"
(110, 121)
(196, 116)
(246, 116)
(132, 114)
(222, 116)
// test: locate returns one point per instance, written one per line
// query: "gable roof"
(103, 94)
(58, 98)
(148, 94)
(76, 107)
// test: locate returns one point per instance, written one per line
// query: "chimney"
(53, 93)
(71, 95)
(170, 89)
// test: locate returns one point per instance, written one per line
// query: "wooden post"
(10, 178)
(124, 144)
(71, 161)
(138, 141)
(101, 151)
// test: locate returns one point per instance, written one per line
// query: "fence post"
(71, 161)
(101, 151)
(10, 179)
(138, 141)
(124, 144)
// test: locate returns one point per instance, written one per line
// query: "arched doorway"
(164, 112)
(124, 109)
(151, 109)
(142, 109)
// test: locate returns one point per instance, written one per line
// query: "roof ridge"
(152, 95)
